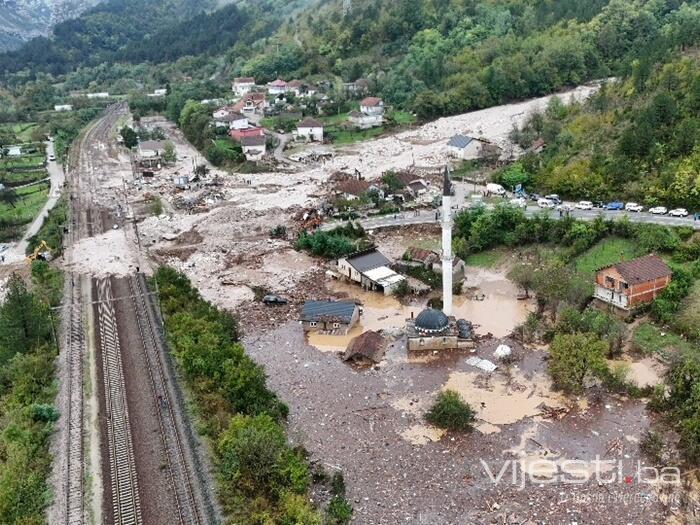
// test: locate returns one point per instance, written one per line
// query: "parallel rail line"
(187, 507)
(125, 491)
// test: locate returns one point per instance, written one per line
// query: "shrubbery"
(333, 244)
(451, 413)
(574, 358)
(261, 479)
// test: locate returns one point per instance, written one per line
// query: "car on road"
(274, 300)
(519, 202)
(584, 205)
(545, 203)
(496, 189)
(658, 210)
(554, 198)
(633, 206)
(534, 197)
(678, 212)
(52, 158)
(614, 206)
(565, 206)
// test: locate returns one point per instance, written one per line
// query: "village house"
(243, 85)
(371, 113)
(103, 94)
(336, 317)
(431, 260)
(238, 134)
(277, 87)
(63, 107)
(372, 106)
(296, 87)
(231, 120)
(254, 147)
(150, 153)
(351, 189)
(310, 129)
(251, 103)
(370, 268)
(630, 284)
(470, 148)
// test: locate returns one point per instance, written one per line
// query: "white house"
(158, 93)
(470, 148)
(243, 85)
(277, 87)
(310, 129)
(151, 149)
(231, 120)
(372, 106)
(363, 121)
(254, 147)
(63, 107)
(371, 269)
(103, 94)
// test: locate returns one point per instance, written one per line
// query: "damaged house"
(371, 269)
(336, 317)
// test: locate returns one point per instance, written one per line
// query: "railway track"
(180, 475)
(75, 511)
(125, 492)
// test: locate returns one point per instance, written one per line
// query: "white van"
(545, 203)
(496, 189)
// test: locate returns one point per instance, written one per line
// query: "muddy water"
(379, 312)
(500, 311)
(643, 373)
(498, 401)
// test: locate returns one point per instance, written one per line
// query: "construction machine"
(41, 253)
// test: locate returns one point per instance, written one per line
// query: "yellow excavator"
(41, 252)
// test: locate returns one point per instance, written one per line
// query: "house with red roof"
(630, 284)
(277, 87)
(243, 85)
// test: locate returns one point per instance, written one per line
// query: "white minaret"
(447, 245)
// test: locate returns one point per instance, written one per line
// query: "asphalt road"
(428, 216)
(16, 252)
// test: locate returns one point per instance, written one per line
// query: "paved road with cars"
(461, 198)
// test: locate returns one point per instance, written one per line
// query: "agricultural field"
(22, 131)
(20, 209)
(608, 251)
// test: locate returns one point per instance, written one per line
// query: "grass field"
(608, 251)
(649, 339)
(20, 178)
(22, 130)
(486, 259)
(688, 320)
(23, 162)
(29, 201)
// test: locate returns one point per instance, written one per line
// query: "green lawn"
(486, 259)
(29, 202)
(25, 161)
(607, 251)
(22, 130)
(648, 340)
(350, 136)
(24, 177)
(402, 118)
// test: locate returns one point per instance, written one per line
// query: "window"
(624, 286)
(609, 281)
(336, 325)
(313, 323)
(422, 342)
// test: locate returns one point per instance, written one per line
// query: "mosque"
(434, 329)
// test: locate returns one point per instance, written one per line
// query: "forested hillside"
(636, 139)
(448, 56)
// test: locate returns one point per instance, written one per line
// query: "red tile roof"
(309, 122)
(371, 102)
(244, 80)
(353, 186)
(642, 270)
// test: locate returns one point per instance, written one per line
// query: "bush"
(333, 244)
(451, 413)
(574, 358)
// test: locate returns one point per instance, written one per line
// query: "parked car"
(599, 204)
(584, 205)
(678, 212)
(274, 299)
(554, 198)
(658, 210)
(519, 202)
(614, 206)
(565, 207)
(633, 206)
(545, 203)
(496, 189)
(535, 197)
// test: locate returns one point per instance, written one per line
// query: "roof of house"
(155, 145)
(355, 114)
(295, 84)
(253, 140)
(254, 97)
(369, 345)
(231, 117)
(421, 255)
(336, 311)
(367, 260)
(244, 80)
(309, 122)
(460, 141)
(353, 186)
(641, 270)
(277, 83)
(371, 102)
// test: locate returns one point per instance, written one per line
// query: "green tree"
(574, 358)
(169, 154)
(451, 413)
(129, 136)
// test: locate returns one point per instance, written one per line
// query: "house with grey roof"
(336, 317)
(371, 269)
(464, 147)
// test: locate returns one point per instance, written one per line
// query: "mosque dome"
(431, 320)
